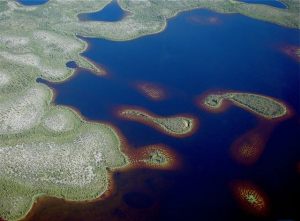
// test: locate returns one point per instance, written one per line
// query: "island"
(177, 126)
(263, 106)
(46, 149)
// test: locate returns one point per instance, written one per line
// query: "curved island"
(266, 107)
(177, 126)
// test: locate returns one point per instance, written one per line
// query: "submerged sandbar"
(156, 156)
(151, 91)
(250, 197)
(248, 148)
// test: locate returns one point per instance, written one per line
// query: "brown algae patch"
(204, 20)
(263, 106)
(248, 148)
(156, 156)
(151, 91)
(250, 197)
(177, 126)
(292, 51)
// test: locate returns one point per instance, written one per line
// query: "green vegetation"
(41, 145)
(156, 158)
(261, 105)
(174, 126)
(60, 119)
(213, 101)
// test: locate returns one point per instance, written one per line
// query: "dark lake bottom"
(199, 51)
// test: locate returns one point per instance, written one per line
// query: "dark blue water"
(274, 3)
(238, 53)
(111, 12)
(71, 64)
(32, 2)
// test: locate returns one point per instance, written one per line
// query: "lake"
(32, 2)
(111, 12)
(274, 3)
(199, 51)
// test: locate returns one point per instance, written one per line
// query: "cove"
(274, 3)
(32, 2)
(111, 12)
(191, 56)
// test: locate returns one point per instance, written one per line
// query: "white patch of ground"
(30, 59)
(14, 41)
(59, 122)
(21, 59)
(4, 78)
(72, 163)
(53, 73)
(63, 42)
(24, 112)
